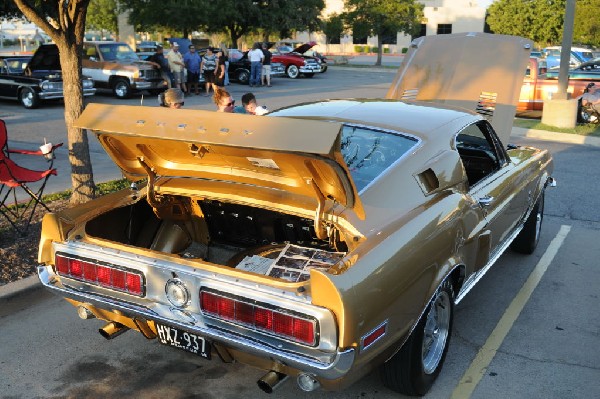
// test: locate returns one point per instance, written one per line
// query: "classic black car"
(239, 67)
(33, 79)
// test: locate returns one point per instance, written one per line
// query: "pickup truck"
(115, 66)
(541, 84)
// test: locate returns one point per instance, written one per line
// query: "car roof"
(422, 119)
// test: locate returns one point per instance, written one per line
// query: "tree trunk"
(379, 50)
(67, 30)
(82, 177)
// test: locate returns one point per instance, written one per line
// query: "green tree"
(285, 17)
(182, 16)
(333, 27)
(539, 20)
(380, 17)
(102, 15)
(587, 23)
(235, 18)
(64, 22)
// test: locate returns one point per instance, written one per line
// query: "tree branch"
(33, 16)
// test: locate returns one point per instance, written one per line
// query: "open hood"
(303, 48)
(45, 58)
(293, 157)
(477, 71)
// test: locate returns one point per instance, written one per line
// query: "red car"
(295, 61)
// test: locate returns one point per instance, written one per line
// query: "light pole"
(561, 111)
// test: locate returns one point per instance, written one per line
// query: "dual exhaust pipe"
(273, 379)
(112, 330)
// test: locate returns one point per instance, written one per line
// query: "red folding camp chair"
(13, 177)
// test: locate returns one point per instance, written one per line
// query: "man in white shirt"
(176, 65)
(255, 56)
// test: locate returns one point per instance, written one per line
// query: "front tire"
(121, 88)
(29, 98)
(413, 370)
(292, 71)
(529, 237)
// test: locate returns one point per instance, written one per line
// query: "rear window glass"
(369, 152)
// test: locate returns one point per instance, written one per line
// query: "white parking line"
(479, 365)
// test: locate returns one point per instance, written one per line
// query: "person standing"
(159, 62)
(221, 69)
(192, 64)
(208, 67)
(266, 66)
(256, 57)
(226, 59)
(176, 65)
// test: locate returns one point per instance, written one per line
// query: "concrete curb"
(17, 288)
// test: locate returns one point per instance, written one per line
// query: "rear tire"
(529, 237)
(413, 370)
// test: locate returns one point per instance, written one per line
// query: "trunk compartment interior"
(209, 230)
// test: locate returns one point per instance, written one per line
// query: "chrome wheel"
(121, 89)
(28, 98)
(292, 72)
(437, 328)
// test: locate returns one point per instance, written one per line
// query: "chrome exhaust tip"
(84, 313)
(270, 381)
(112, 330)
(307, 382)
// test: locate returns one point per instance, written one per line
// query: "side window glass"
(477, 152)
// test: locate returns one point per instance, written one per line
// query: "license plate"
(187, 341)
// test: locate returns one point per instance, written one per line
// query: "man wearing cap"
(176, 65)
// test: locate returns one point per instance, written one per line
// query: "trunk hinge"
(319, 225)
(156, 201)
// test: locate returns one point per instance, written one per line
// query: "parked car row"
(31, 80)
(115, 66)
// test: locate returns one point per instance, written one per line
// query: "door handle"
(485, 201)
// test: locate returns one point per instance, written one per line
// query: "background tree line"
(542, 20)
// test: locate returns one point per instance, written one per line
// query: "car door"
(493, 183)
(8, 87)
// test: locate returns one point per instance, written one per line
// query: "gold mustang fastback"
(319, 242)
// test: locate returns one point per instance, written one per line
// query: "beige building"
(441, 16)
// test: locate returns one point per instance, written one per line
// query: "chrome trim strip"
(338, 365)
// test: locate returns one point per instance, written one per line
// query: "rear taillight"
(128, 281)
(288, 325)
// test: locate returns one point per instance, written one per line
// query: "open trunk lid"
(291, 156)
(481, 72)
